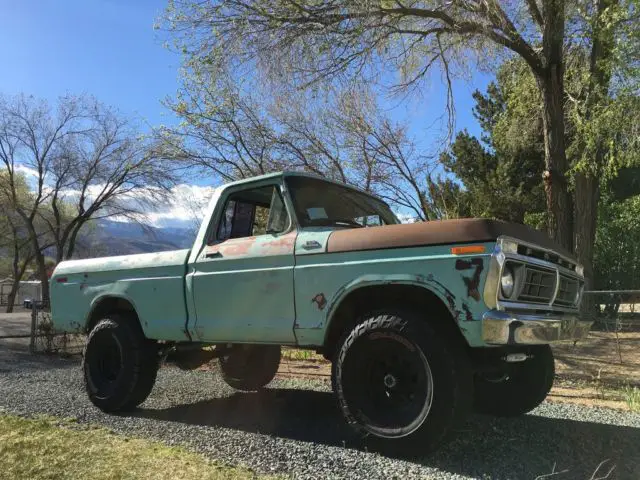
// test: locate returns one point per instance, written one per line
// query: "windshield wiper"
(337, 222)
(351, 223)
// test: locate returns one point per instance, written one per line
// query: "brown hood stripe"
(438, 232)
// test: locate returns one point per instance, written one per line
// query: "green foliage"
(632, 397)
(617, 246)
(14, 240)
(448, 199)
(502, 178)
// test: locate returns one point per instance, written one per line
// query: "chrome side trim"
(492, 283)
(504, 328)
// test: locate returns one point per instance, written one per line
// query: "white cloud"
(184, 208)
(406, 217)
(28, 171)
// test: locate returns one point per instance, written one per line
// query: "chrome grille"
(538, 285)
(545, 255)
(567, 291)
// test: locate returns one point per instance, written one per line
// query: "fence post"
(34, 324)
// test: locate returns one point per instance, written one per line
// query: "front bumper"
(503, 328)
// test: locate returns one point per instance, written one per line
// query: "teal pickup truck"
(422, 322)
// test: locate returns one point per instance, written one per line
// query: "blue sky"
(109, 49)
(106, 48)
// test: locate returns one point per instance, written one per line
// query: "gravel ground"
(294, 428)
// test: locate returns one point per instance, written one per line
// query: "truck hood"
(124, 262)
(438, 232)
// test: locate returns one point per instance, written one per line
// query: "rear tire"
(119, 364)
(524, 387)
(250, 367)
(401, 383)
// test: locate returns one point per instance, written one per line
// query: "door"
(242, 281)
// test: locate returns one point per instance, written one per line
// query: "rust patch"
(472, 282)
(467, 313)
(438, 232)
(448, 294)
(320, 300)
(279, 246)
(451, 299)
(233, 248)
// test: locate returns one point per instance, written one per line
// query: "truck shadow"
(523, 447)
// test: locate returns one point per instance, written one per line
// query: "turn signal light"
(467, 249)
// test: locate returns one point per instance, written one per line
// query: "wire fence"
(614, 310)
(45, 339)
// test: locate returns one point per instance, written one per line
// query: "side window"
(252, 212)
(224, 229)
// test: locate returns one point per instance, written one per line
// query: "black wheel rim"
(105, 363)
(388, 384)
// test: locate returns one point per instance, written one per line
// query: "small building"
(27, 290)
(5, 288)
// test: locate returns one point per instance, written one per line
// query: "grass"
(301, 354)
(632, 397)
(46, 448)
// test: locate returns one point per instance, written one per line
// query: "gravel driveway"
(294, 428)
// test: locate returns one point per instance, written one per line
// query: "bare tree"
(109, 171)
(83, 161)
(14, 240)
(342, 134)
(310, 42)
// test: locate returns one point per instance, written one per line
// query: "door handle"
(311, 245)
(214, 254)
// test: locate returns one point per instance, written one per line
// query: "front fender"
(424, 281)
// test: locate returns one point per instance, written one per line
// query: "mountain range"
(107, 238)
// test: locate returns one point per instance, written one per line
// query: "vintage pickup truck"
(422, 322)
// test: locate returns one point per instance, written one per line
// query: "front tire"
(521, 389)
(250, 367)
(119, 364)
(401, 383)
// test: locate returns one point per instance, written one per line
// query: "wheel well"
(367, 300)
(110, 305)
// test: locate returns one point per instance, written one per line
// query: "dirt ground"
(603, 356)
(593, 371)
(598, 357)
(587, 373)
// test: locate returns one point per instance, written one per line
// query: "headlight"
(507, 282)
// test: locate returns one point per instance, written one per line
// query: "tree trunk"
(71, 244)
(587, 197)
(44, 278)
(40, 263)
(559, 204)
(588, 184)
(11, 299)
(15, 271)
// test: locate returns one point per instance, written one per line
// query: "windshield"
(319, 203)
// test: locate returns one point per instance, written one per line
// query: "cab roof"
(293, 173)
